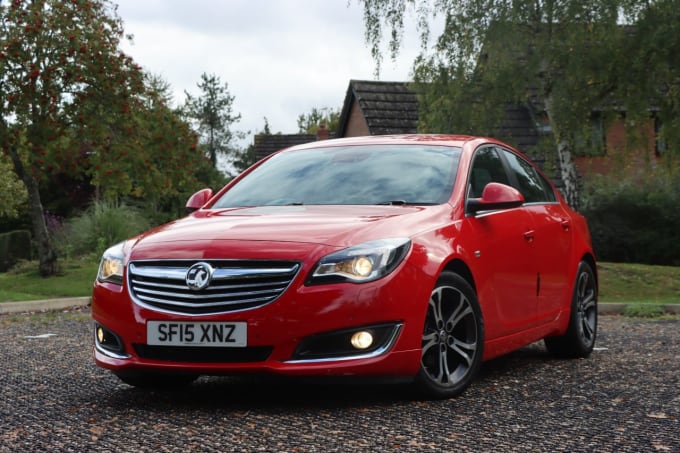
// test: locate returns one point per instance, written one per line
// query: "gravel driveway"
(626, 397)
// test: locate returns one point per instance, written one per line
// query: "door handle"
(529, 235)
(566, 224)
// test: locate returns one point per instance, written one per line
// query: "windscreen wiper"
(393, 203)
(404, 203)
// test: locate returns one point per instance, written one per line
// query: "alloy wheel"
(586, 307)
(450, 338)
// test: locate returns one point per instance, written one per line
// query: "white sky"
(279, 57)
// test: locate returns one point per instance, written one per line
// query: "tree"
(567, 57)
(309, 123)
(266, 129)
(652, 73)
(212, 114)
(246, 157)
(150, 156)
(12, 191)
(55, 55)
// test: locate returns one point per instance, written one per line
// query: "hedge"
(635, 221)
(14, 246)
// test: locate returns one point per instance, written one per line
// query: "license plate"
(211, 334)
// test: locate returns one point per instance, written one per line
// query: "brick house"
(619, 153)
(369, 108)
(381, 108)
(378, 108)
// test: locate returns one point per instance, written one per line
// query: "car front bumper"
(303, 332)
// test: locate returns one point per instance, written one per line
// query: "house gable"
(385, 108)
(356, 123)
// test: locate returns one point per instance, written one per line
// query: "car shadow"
(239, 393)
(270, 393)
(522, 361)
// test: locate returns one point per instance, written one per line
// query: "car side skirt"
(503, 345)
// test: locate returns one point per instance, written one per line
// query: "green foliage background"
(635, 221)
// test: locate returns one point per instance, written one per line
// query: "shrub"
(635, 221)
(100, 226)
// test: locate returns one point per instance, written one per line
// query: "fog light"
(105, 339)
(362, 339)
(359, 341)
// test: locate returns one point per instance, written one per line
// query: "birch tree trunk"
(568, 171)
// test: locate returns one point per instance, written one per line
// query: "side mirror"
(495, 196)
(197, 200)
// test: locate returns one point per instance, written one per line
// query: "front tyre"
(579, 339)
(453, 338)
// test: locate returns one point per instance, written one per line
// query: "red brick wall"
(356, 124)
(625, 156)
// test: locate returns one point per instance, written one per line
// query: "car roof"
(429, 139)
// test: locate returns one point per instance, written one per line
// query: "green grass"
(631, 283)
(44, 319)
(639, 283)
(642, 310)
(23, 282)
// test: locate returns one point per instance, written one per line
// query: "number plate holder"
(205, 334)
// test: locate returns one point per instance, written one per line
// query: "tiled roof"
(518, 128)
(387, 107)
(266, 144)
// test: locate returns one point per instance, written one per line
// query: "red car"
(413, 256)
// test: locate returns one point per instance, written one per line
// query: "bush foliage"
(635, 221)
(102, 225)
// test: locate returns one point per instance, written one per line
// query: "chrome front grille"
(235, 285)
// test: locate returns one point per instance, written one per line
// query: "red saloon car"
(413, 256)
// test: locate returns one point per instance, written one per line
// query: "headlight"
(362, 263)
(111, 265)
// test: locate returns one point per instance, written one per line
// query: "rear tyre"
(453, 339)
(155, 380)
(579, 339)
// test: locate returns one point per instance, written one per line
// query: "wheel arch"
(590, 259)
(459, 267)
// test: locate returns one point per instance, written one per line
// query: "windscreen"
(350, 175)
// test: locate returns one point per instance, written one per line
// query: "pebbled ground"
(624, 398)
